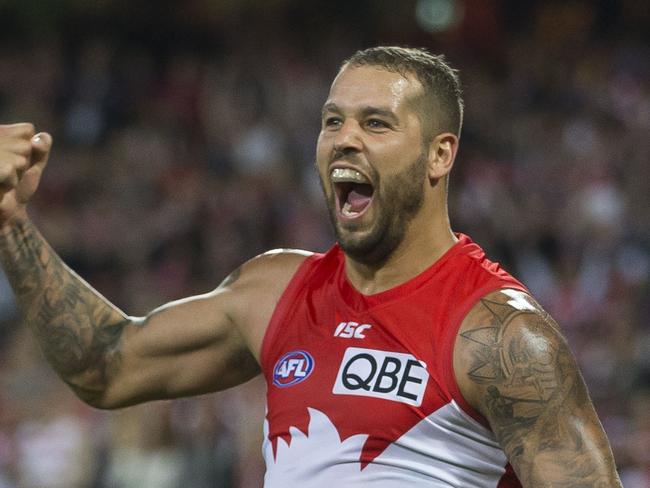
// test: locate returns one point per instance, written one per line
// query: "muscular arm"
(513, 365)
(76, 328)
(201, 344)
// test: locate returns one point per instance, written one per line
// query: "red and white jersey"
(361, 389)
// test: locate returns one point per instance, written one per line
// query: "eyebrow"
(366, 111)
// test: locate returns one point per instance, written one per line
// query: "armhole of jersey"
(450, 343)
(281, 308)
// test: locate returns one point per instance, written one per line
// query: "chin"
(372, 247)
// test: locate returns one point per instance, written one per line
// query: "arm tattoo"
(528, 379)
(77, 329)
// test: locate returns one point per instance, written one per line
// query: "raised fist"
(23, 156)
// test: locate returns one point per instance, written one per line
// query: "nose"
(348, 138)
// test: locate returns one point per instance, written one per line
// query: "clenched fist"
(23, 156)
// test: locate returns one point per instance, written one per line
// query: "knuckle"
(20, 162)
(28, 128)
(23, 129)
(6, 171)
(24, 148)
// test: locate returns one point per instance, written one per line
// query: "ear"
(442, 153)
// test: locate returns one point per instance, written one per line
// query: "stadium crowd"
(176, 160)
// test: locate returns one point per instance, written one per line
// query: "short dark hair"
(440, 81)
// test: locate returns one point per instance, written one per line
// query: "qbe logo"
(292, 368)
(381, 374)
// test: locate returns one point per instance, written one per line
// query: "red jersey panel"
(361, 389)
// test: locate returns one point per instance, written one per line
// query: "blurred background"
(184, 144)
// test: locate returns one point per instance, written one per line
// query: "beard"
(398, 202)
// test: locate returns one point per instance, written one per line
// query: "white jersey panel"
(446, 449)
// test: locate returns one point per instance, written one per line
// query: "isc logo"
(348, 330)
(292, 368)
(389, 375)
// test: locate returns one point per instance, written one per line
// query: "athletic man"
(403, 357)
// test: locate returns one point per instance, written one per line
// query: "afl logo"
(292, 368)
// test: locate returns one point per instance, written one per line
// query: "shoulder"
(505, 312)
(277, 266)
(250, 294)
(515, 368)
(513, 365)
(283, 261)
(508, 339)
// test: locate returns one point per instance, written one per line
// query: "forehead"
(372, 86)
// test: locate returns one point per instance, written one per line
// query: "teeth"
(347, 211)
(347, 175)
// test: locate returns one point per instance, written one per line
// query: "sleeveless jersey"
(361, 389)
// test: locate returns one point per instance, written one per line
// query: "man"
(402, 357)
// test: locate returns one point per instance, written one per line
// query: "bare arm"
(197, 345)
(77, 329)
(513, 365)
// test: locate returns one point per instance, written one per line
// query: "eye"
(332, 122)
(377, 124)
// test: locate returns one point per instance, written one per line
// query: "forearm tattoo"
(528, 380)
(77, 329)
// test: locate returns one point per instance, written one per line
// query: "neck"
(418, 250)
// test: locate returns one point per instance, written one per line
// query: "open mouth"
(353, 192)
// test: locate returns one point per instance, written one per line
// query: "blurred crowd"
(183, 148)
